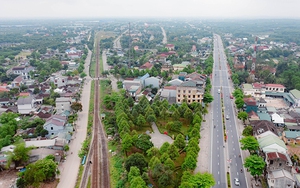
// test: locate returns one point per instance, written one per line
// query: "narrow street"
(164, 41)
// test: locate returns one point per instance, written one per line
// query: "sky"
(237, 9)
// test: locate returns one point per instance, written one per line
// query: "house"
(170, 47)
(178, 67)
(280, 179)
(55, 124)
(262, 103)
(271, 143)
(18, 81)
(277, 120)
(175, 82)
(182, 76)
(153, 82)
(278, 161)
(56, 144)
(23, 71)
(295, 95)
(4, 102)
(262, 126)
(250, 105)
(120, 53)
(252, 116)
(256, 90)
(26, 105)
(275, 88)
(59, 80)
(145, 66)
(291, 137)
(62, 104)
(189, 91)
(169, 93)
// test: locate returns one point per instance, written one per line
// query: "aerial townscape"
(148, 102)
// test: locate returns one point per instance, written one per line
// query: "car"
(236, 182)
(231, 97)
(227, 117)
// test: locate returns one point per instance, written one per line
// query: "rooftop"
(292, 134)
(295, 93)
(247, 86)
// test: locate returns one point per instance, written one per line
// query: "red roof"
(3, 89)
(146, 66)
(252, 113)
(258, 85)
(170, 45)
(275, 85)
(276, 155)
(24, 94)
(250, 101)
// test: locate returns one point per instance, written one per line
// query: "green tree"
(164, 147)
(189, 163)
(20, 155)
(248, 131)
(134, 172)
(176, 115)
(207, 98)
(169, 163)
(173, 151)
(126, 142)
(76, 107)
(249, 143)
(255, 164)
(239, 103)
(243, 116)
(188, 115)
(143, 142)
(137, 160)
(138, 182)
(179, 141)
(140, 121)
(204, 180)
(163, 175)
(153, 162)
(40, 171)
(153, 152)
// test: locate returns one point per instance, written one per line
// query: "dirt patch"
(50, 184)
(8, 178)
(275, 102)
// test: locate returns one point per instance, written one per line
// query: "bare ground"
(8, 178)
(277, 103)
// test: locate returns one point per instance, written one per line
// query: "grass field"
(22, 55)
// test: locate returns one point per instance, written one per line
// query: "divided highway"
(225, 156)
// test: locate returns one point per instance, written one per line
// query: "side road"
(69, 168)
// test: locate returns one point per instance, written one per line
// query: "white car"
(227, 117)
(236, 182)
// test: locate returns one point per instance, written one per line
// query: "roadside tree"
(249, 143)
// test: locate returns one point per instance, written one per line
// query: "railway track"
(98, 154)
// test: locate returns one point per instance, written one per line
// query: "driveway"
(157, 138)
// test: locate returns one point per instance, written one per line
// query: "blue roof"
(264, 116)
(144, 77)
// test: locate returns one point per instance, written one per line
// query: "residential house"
(132, 87)
(169, 93)
(280, 179)
(271, 143)
(182, 76)
(18, 81)
(153, 82)
(55, 124)
(23, 71)
(178, 67)
(62, 104)
(262, 103)
(175, 82)
(120, 53)
(4, 102)
(295, 95)
(252, 116)
(256, 90)
(26, 105)
(262, 126)
(278, 161)
(291, 137)
(55, 144)
(58, 79)
(250, 105)
(170, 47)
(145, 66)
(277, 120)
(73, 53)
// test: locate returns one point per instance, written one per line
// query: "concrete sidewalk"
(204, 156)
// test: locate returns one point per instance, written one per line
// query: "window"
(183, 96)
(194, 96)
(51, 128)
(178, 91)
(178, 100)
(189, 96)
(52, 133)
(178, 95)
(198, 100)
(271, 161)
(189, 101)
(189, 91)
(198, 96)
(183, 91)
(279, 164)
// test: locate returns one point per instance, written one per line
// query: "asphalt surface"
(225, 156)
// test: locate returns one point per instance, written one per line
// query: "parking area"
(275, 102)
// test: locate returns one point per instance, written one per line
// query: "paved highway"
(225, 156)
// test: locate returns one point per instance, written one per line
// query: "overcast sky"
(152, 8)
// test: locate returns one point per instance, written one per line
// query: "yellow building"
(189, 91)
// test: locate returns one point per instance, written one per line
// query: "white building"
(153, 82)
(26, 105)
(55, 124)
(62, 104)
